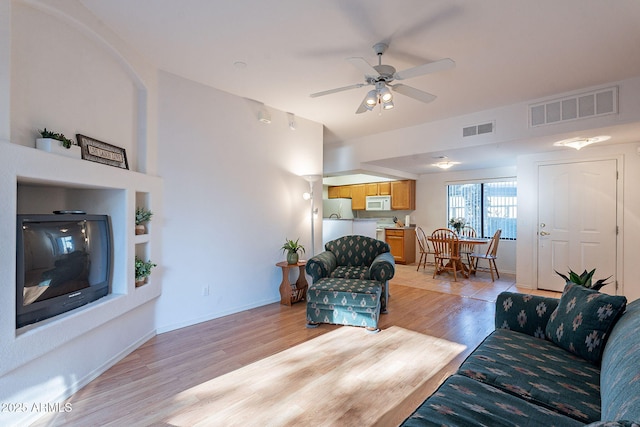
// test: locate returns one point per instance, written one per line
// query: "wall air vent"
(477, 129)
(590, 104)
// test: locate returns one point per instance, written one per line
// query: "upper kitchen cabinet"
(371, 189)
(403, 195)
(358, 197)
(339, 192)
(384, 189)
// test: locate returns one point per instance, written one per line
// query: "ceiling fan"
(381, 77)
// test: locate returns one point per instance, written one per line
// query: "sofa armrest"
(524, 313)
(321, 265)
(382, 268)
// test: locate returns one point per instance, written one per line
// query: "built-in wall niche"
(143, 200)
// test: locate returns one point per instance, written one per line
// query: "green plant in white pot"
(143, 216)
(292, 248)
(143, 270)
(57, 143)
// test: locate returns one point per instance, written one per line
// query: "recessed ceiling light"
(580, 142)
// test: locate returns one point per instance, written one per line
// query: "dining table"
(455, 251)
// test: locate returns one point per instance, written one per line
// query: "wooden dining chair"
(466, 249)
(445, 246)
(425, 248)
(491, 255)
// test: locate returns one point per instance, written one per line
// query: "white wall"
(233, 195)
(60, 68)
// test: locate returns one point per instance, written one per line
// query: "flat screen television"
(62, 262)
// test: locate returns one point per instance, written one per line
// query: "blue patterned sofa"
(579, 365)
(349, 282)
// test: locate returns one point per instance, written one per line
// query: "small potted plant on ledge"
(143, 216)
(585, 279)
(57, 143)
(292, 248)
(143, 270)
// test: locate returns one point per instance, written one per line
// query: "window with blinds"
(485, 206)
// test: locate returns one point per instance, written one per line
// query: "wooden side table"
(291, 293)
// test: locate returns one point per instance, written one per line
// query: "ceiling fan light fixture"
(372, 98)
(385, 94)
(387, 105)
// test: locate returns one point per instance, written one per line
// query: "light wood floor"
(175, 361)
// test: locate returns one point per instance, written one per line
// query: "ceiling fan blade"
(363, 66)
(420, 70)
(414, 93)
(340, 89)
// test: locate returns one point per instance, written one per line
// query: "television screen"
(61, 257)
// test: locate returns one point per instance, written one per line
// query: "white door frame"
(619, 289)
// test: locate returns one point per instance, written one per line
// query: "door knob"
(544, 233)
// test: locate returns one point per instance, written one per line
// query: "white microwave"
(378, 203)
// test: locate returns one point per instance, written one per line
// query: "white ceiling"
(506, 52)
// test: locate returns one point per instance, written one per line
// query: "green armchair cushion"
(524, 313)
(356, 250)
(583, 319)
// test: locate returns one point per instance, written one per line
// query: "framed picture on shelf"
(101, 152)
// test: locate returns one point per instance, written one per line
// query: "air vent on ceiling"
(589, 104)
(477, 129)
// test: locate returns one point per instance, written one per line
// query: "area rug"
(346, 377)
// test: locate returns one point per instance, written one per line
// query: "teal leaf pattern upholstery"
(461, 401)
(583, 319)
(621, 423)
(620, 368)
(356, 250)
(354, 302)
(524, 313)
(538, 371)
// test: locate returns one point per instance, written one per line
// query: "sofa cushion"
(621, 370)
(524, 313)
(538, 371)
(461, 401)
(356, 250)
(583, 319)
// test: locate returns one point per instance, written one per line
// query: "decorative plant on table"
(585, 279)
(143, 270)
(64, 141)
(143, 216)
(292, 248)
(457, 223)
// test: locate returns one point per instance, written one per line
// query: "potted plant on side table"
(143, 270)
(292, 248)
(57, 143)
(143, 216)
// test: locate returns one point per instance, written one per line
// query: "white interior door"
(576, 221)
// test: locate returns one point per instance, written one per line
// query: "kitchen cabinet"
(358, 197)
(344, 191)
(333, 192)
(403, 195)
(371, 189)
(384, 189)
(402, 242)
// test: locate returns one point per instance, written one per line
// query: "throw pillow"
(583, 319)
